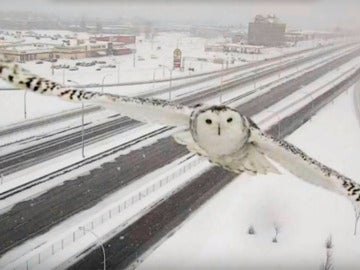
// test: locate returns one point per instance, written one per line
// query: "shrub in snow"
(277, 230)
(251, 230)
(329, 243)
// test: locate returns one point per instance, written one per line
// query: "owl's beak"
(219, 131)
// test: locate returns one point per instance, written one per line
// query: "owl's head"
(219, 130)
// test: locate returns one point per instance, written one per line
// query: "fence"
(47, 251)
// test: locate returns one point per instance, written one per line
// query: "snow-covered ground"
(216, 236)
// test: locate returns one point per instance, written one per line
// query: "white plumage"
(219, 133)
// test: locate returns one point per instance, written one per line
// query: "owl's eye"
(208, 121)
(229, 120)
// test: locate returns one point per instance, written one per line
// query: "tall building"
(266, 31)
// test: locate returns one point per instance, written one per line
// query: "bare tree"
(328, 265)
(357, 217)
(277, 231)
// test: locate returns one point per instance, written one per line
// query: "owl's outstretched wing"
(142, 109)
(300, 164)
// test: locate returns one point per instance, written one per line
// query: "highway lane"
(39, 214)
(24, 158)
(51, 148)
(129, 245)
(156, 224)
(284, 89)
(46, 120)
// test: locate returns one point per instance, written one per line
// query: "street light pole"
(254, 79)
(25, 113)
(82, 125)
(221, 82)
(118, 69)
(134, 57)
(63, 77)
(102, 82)
(82, 131)
(98, 242)
(170, 81)
(154, 72)
(118, 72)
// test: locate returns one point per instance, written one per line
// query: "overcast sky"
(305, 14)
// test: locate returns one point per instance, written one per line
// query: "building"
(70, 52)
(234, 48)
(119, 49)
(266, 31)
(26, 52)
(76, 51)
(126, 39)
(242, 48)
(299, 35)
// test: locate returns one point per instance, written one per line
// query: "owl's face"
(220, 130)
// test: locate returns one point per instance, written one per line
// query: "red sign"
(177, 58)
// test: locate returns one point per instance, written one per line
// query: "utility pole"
(134, 57)
(98, 242)
(25, 112)
(170, 81)
(102, 82)
(82, 125)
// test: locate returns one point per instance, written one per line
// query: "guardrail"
(36, 260)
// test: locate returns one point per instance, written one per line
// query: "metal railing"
(35, 260)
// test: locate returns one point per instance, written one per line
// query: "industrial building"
(30, 52)
(234, 48)
(266, 31)
(26, 52)
(126, 39)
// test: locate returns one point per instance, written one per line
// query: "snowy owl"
(219, 133)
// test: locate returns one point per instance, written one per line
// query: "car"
(140, 58)
(73, 68)
(39, 62)
(108, 66)
(98, 69)
(100, 62)
(154, 56)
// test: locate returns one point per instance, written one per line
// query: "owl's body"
(219, 133)
(224, 136)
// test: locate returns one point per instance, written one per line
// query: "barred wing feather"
(142, 109)
(306, 168)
